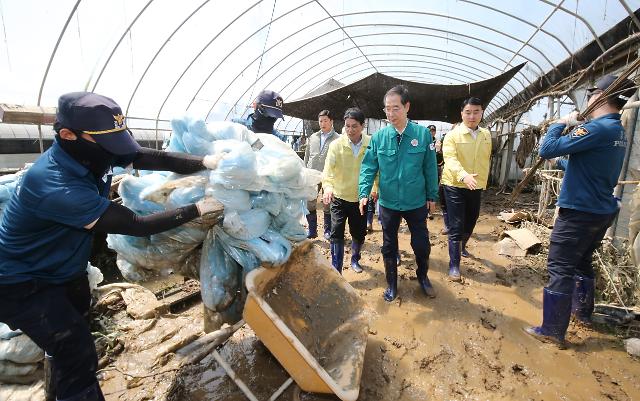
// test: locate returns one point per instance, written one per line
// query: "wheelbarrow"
(312, 321)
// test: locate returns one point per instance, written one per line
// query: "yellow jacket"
(342, 169)
(464, 155)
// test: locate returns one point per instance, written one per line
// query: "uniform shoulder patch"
(579, 132)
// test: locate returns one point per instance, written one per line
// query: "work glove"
(211, 161)
(210, 210)
(570, 119)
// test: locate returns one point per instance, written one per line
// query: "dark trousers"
(574, 237)
(343, 212)
(443, 202)
(463, 209)
(312, 205)
(416, 220)
(55, 318)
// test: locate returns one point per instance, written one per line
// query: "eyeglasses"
(389, 110)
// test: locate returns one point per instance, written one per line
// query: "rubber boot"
(445, 222)
(454, 260)
(356, 246)
(91, 393)
(312, 220)
(391, 274)
(49, 381)
(327, 226)
(337, 255)
(423, 279)
(583, 299)
(556, 311)
(463, 246)
(370, 220)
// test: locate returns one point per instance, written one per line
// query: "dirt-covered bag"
(18, 373)
(20, 349)
(18, 392)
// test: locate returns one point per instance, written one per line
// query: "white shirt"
(323, 137)
(402, 130)
(474, 132)
(355, 147)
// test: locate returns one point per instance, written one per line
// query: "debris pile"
(263, 187)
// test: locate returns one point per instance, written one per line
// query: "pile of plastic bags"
(20, 366)
(264, 192)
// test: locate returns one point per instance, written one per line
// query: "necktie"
(398, 137)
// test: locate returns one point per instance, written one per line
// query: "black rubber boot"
(91, 393)
(423, 279)
(337, 255)
(391, 273)
(356, 246)
(312, 220)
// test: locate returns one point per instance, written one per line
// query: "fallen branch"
(207, 343)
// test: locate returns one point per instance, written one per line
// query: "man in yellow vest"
(340, 184)
(467, 153)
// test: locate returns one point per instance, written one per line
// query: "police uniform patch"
(579, 132)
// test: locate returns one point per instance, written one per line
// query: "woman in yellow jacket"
(340, 184)
(467, 152)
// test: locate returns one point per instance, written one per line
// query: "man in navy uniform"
(596, 152)
(47, 228)
(267, 109)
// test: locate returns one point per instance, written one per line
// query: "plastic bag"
(270, 248)
(287, 222)
(94, 275)
(237, 168)
(272, 202)
(232, 199)
(20, 349)
(246, 225)
(131, 187)
(218, 275)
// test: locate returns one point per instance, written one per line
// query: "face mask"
(262, 123)
(91, 155)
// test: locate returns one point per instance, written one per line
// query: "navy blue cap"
(272, 102)
(626, 89)
(98, 116)
(431, 127)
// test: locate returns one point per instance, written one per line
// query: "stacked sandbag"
(20, 358)
(264, 190)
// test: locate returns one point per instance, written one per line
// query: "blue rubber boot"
(463, 246)
(312, 220)
(556, 311)
(582, 300)
(454, 261)
(337, 255)
(423, 279)
(327, 226)
(391, 274)
(356, 246)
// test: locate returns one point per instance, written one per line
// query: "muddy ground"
(466, 344)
